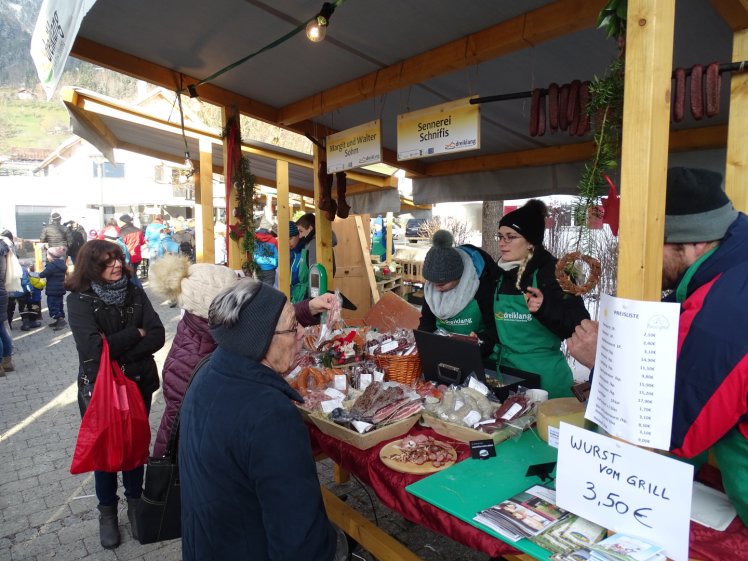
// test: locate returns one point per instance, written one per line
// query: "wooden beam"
(644, 154)
(322, 228)
(235, 257)
(205, 247)
(371, 537)
(736, 172)
(107, 57)
(535, 27)
(284, 215)
(366, 253)
(734, 12)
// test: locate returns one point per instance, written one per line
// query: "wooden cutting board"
(408, 467)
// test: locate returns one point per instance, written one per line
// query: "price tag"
(363, 381)
(330, 405)
(388, 346)
(340, 382)
(334, 393)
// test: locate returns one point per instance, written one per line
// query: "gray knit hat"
(443, 262)
(244, 324)
(696, 207)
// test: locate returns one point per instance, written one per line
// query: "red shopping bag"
(114, 434)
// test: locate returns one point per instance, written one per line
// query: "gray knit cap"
(696, 207)
(249, 331)
(443, 262)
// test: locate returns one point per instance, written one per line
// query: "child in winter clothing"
(54, 272)
(266, 252)
(28, 300)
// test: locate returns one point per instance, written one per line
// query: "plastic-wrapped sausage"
(584, 117)
(679, 95)
(713, 83)
(697, 91)
(534, 109)
(553, 106)
(563, 100)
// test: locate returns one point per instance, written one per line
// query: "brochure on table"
(634, 381)
(625, 488)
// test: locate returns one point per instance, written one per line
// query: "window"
(110, 170)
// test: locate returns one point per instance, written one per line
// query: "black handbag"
(158, 515)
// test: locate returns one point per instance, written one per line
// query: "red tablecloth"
(389, 485)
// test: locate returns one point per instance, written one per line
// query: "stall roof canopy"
(388, 57)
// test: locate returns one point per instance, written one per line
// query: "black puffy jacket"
(90, 317)
(55, 235)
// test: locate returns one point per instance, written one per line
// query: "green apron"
(300, 291)
(526, 344)
(468, 321)
(731, 451)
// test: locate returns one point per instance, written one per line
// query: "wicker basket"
(404, 369)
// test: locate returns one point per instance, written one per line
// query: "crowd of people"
(248, 479)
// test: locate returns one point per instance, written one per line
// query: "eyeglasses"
(509, 238)
(111, 263)
(294, 329)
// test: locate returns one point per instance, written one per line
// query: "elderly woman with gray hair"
(248, 477)
(193, 287)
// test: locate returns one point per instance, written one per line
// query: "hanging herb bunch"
(606, 112)
(247, 197)
(605, 109)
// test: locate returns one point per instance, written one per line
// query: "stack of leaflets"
(620, 547)
(524, 515)
(570, 539)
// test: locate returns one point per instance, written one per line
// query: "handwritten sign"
(625, 488)
(356, 147)
(441, 129)
(634, 383)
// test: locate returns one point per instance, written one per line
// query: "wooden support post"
(388, 239)
(340, 475)
(644, 157)
(736, 172)
(284, 216)
(365, 251)
(235, 258)
(372, 538)
(322, 227)
(204, 246)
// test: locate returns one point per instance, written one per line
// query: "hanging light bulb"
(316, 29)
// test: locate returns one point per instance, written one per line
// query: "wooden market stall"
(440, 51)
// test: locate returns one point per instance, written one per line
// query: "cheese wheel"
(552, 412)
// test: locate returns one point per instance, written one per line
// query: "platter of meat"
(418, 454)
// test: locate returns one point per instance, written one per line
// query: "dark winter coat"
(54, 272)
(248, 478)
(192, 342)
(560, 312)
(55, 234)
(89, 317)
(484, 297)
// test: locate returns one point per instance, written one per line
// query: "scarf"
(508, 265)
(112, 293)
(448, 304)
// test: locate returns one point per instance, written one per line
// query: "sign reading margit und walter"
(441, 129)
(356, 147)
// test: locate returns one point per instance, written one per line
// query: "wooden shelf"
(389, 284)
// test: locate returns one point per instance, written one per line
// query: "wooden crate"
(411, 270)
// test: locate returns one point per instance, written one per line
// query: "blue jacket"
(248, 477)
(54, 272)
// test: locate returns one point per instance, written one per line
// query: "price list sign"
(625, 489)
(634, 381)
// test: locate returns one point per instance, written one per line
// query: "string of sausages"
(704, 90)
(563, 107)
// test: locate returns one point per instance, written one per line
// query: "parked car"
(414, 229)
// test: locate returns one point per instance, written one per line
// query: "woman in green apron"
(531, 312)
(458, 290)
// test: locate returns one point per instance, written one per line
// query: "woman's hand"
(534, 298)
(321, 303)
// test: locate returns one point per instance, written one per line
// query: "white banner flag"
(55, 31)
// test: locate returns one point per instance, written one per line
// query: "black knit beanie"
(528, 221)
(258, 318)
(443, 262)
(696, 207)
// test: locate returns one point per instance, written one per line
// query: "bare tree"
(492, 212)
(461, 231)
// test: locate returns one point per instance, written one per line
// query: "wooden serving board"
(408, 467)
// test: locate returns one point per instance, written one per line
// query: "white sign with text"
(356, 147)
(625, 489)
(634, 380)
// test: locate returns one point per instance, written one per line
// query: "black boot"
(132, 505)
(25, 324)
(60, 324)
(108, 528)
